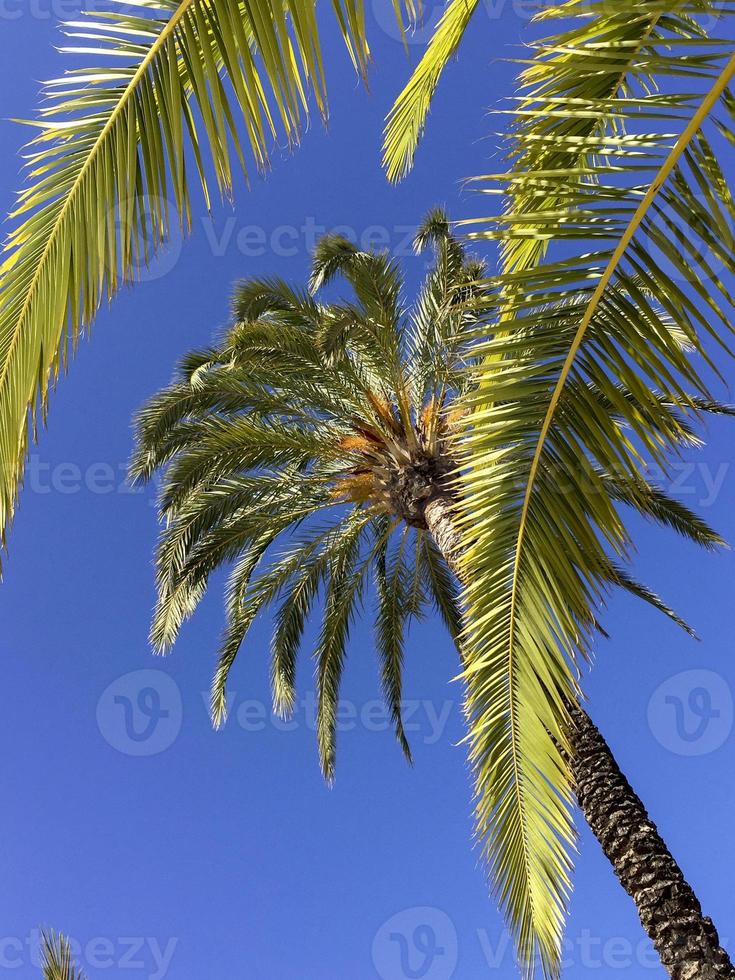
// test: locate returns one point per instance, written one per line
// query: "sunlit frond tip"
(407, 118)
(523, 793)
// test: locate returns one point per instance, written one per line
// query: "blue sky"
(197, 855)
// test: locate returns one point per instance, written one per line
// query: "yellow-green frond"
(109, 168)
(407, 118)
(56, 958)
(588, 376)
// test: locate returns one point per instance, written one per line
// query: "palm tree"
(317, 448)
(56, 958)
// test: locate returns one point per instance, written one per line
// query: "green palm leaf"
(575, 390)
(56, 958)
(109, 172)
(407, 118)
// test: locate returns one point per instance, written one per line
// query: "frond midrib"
(663, 174)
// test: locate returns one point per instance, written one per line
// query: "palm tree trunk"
(686, 941)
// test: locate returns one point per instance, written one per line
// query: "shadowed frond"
(589, 376)
(110, 169)
(244, 602)
(654, 503)
(394, 609)
(440, 585)
(620, 577)
(345, 587)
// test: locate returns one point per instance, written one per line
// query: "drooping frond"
(441, 586)
(655, 504)
(346, 582)
(56, 958)
(212, 527)
(622, 578)
(108, 170)
(589, 374)
(245, 599)
(311, 570)
(394, 607)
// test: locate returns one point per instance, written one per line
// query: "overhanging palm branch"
(623, 27)
(183, 87)
(593, 346)
(56, 958)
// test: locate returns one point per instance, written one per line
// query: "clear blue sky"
(223, 856)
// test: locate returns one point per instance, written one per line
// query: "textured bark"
(438, 517)
(686, 941)
(411, 488)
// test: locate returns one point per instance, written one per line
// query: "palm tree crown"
(320, 429)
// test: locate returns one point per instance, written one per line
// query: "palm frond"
(442, 588)
(407, 118)
(254, 299)
(57, 962)
(602, 159)
(622, 578)
(439, 335)
(344, 591)
(243, 605)
(315, 559)
(108, 171)
(655, 504)
(377, 282)
(212, 528)
(393, 612)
